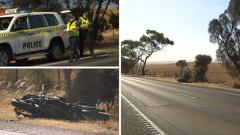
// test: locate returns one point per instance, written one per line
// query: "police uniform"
(84, 34)
(73, 38)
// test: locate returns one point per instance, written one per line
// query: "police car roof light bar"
(2, 12)
(17, 10)
(24, 10)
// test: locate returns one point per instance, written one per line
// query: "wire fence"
(211, 76)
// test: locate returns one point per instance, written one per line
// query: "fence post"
(217, 76)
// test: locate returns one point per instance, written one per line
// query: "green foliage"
(97, 11)
(187, 74)
(126, 65)
(114, 20)
(182, 64)
(36, 5)
(131, 53)
(224, 31)
(201, 67)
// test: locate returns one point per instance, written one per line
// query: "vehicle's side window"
(4, 22)
(22, 21)
(37, 21)
(51, 19)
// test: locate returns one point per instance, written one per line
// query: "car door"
(23, 39)
(38, 27)
(52, 25)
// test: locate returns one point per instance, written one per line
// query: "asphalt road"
(175, 108)
(102, 59)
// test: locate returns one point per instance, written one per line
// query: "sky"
(183, 21)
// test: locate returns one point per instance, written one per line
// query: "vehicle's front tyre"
(55, 51)
(4, 56)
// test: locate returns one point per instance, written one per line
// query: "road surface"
(102, 59)
(173, 108)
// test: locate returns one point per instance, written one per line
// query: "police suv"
(25, 34)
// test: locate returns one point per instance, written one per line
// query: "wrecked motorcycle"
(45, 106)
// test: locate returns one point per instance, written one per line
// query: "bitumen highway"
(101, 59)
(157, 107)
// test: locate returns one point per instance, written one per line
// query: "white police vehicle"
(25, 34)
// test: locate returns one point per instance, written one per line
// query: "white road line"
(145, 117)
(184, 95)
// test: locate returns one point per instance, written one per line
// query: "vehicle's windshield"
(4, 22)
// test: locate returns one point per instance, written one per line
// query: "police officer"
(73, 33)
(84, 34)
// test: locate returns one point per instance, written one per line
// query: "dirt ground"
(7, 114)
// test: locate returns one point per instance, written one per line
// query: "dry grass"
(223, 85)
(7, 113)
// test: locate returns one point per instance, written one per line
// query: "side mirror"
(17, 27)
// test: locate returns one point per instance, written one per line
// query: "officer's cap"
(71, 15)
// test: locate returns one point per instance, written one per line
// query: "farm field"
(215, 72)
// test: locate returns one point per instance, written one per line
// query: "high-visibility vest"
(84, 22)
(72, 33)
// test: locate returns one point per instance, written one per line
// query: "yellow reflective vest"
(84, 22)
(72, 33)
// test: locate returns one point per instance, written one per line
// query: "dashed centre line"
(184, 95)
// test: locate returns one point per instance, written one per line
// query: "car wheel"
(55, 51)
(4, 56)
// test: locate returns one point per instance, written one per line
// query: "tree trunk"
(96, 21)
(67, 80)
(143, 68)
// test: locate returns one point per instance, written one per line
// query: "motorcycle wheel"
(22, 105)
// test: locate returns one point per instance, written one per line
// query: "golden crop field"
(215, 72)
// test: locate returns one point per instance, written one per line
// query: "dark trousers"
(73, 45)
(82, 37)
